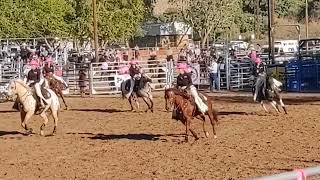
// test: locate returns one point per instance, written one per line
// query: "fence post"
(227, 66)
(91, 80)
(115, 81)
(0, 72)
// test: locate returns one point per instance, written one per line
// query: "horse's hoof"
(186, 140)
(152, 110)
(207, 134)
(146, 111)
(30, 130)
(42, 133)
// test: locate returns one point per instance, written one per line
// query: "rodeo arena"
(221, 112)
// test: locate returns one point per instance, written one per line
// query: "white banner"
(120, 78)
(195, 72)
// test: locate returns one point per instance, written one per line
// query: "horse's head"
(15, 87)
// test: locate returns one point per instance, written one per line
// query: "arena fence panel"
(108, 81)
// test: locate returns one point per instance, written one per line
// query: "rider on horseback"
(261, 84)
(184, 81)
(135, 73)
(48, 70)
(34, 79)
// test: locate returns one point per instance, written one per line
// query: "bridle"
(26, 94)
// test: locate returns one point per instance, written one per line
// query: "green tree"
(313, 9)
(119, 20)
(79, 20)
(29, 18)
(210, 16)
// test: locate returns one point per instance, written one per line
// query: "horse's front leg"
(283, 106)
(264, 107)
(145, 99)
(275, 106)
(187, 129)
(25, 116)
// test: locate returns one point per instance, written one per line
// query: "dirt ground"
(99, 139)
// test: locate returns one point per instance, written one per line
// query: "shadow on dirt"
(270, 169)
(8, 111)
(140, 136)
(287, 101)
(100, 110)
(314, 161)
(5, 133)
(225, 113)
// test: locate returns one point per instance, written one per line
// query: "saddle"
(44, 91)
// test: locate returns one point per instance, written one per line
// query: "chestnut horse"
(57, 87)
(185, 104)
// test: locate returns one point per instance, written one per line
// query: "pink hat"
(133, 62)
(182, 66)
(258, 60)
(33, 63)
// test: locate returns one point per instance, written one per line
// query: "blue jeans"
(214, 81)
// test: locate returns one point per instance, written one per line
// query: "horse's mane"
(21, 82)
(178, 92)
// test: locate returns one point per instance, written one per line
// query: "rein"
(25, 94)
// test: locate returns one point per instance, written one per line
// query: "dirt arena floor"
(99, 139)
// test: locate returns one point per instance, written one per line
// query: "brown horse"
(185, 104)
(57, 87)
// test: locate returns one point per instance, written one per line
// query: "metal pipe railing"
(312, 171)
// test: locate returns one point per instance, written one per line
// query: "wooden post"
(307, 19)
(95, 30)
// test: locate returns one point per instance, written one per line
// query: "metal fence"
(108, 81)
(235, 75)
(9, 71)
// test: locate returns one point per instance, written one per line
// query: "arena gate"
(108, 81)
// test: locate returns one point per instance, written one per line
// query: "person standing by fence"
(82, 82)
(213, 74)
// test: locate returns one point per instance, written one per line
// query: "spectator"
(214, 78)
(197, 52)
(136, 52)
(24, 52)
(169, 54)
(82, 82)
(43, 52)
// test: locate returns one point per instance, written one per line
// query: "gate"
(109, 81)
(9, 71)
(240, 74)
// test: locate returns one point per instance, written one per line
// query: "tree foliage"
(313, 9)
(208, 17)
(118, 19)
(29, 18)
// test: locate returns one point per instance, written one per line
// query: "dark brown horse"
(185, 105)
(57, 88)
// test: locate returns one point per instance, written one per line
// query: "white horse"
(273, 96)
(18, 88)
(143, 90)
